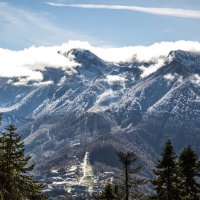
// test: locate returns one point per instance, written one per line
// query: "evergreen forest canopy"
(176, 177)
(16, 183)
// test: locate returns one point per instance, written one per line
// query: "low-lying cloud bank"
(29, 62)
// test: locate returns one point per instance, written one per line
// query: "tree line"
(176, 177)
(16, 183)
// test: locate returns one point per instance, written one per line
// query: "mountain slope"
(134, 105)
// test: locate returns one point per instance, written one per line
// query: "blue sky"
(117, 23)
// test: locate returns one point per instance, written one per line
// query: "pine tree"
(129, 181)
(166, 183)
(15, 181)
(109, 192)
(190, 170)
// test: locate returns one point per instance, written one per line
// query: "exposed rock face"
(105, 103)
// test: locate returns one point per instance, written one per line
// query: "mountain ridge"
(103, 101)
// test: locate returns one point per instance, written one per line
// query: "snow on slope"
(27, 62)
(96, 91)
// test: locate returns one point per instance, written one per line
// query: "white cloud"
(27, 62)
(152, 68)
(56, 4)
(141, 53)
(174, 12)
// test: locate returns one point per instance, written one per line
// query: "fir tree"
(166, 183)
(190, 170)
(15, 181)
(129, 181)
(109, 192)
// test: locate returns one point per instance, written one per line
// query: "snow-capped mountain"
(126, 105)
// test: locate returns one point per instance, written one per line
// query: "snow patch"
(62, 81)
(114, 78)
(105, 100)
(45, 83)
(169, 77)
(196, 79)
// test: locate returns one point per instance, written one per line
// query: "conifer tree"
(166, 183)
(15, 181)
(189, 167)
(109, 192)
(129, 181)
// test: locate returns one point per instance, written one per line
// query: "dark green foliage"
(127, 184)
(15, 182)
(103, 153)
(189, 168)
(129, 180)
(167, 183)
(110, 192)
